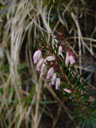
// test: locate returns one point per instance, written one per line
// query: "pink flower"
(60, 50)
(50, 72)
(57, 83)
(43, 70)
(43, 67)
(37, 55)
(41, 75)
(53, 79)
(72, 60)
(67, 90)
(39, 64)
(49, 58)
(69, 58)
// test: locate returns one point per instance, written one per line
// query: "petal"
(50, 72)
(57, 83)
(36, 53)
(39, 64)
(72, 60)
(37, 56)
(41, 75)
(49, 58)
(43, 67)
(67, 60)
(60, 50)
(67, 90)
(43, 70)
(53, 79)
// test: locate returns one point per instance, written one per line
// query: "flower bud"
(43, 67)
(50, 72)
(53, 79)
(67, 90)
(39, 64)
(69, 58)
(41, 75)
(57, 83)
(49, 58)
(72, 60)
(43, 70)
(37, 56)
(60, 50)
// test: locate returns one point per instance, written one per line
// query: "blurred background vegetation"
(25, 100)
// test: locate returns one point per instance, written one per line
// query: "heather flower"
(43, 70)
(50, 72)
(72, 60)
(69, 58)
(53, 79)
(67, 90)
(60, 50)
(50, 58)
(39, 64)
(43, 67)
(57, 83)
(41, 75)
(37, 55)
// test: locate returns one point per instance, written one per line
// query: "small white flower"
(67, 90)
(37, 55)
(57, 83)
(53, 79)
(39, 64)
(50, 72)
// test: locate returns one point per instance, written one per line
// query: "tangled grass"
(26, 100)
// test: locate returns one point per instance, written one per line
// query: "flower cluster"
(41, 66)
(50, 73)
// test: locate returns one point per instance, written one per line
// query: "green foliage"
(5, 68)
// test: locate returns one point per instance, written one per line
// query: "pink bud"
(39, 64)
(50, 58)
(43, 70)
(60, 50)
(37, 56)
(50, 72)
(72, 60)
(57, 83)
(43, 67)
(69, 58)
(67, 90)
(53, 79)
(41, 75)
